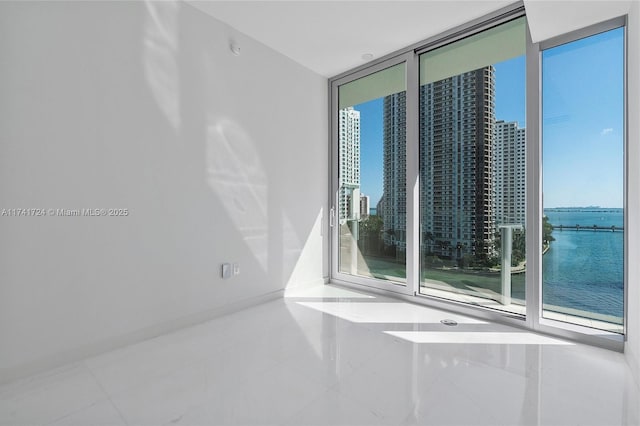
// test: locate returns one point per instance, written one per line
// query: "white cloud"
(605, 131)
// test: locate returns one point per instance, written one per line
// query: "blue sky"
(582, 122)
(371, 172)
(583, 129)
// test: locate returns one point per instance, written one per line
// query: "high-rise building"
(365, 205)
(456, 165)
(509, 173)
(380, 207)
(394, 198)
(349, 136)
(456, 161)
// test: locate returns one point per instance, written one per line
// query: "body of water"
(584, 269)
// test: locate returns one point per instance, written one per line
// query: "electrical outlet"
(236, 269)
(227, 272)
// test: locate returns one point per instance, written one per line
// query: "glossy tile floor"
(330, 356)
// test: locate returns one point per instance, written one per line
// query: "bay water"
(584, 269)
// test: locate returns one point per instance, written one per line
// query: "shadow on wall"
(236, 175)
(160, 66)
(305, 256)
(194, 82)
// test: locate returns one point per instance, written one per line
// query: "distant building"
(365, 204)
(509, 173)
(349, 137)
(394, 199)
(380, 207)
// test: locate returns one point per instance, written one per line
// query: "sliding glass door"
(371, 207)
(472, 169)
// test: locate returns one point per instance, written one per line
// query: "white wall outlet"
(236, 269)
(227, 272)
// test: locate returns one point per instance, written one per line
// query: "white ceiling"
(330, 37)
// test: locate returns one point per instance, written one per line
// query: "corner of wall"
(632, 345)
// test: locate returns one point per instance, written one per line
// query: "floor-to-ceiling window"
(371, 194)
(583, 145)
(472, 169)
(481, 169)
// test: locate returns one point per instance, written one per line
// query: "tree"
(427, 240)
(547, 229)
(370, 235)
(372, 225)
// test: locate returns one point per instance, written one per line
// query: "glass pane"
(377, 85)
(495, 45)
(472, 173)
(583, 181)
(372, 176)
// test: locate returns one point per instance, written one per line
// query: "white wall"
(632, 347)
(142, 106)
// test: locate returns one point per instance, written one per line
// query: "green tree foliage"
(370, 241)
(518, 248)
(371, 225)
(547, 229)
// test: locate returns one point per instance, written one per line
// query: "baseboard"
(62, 359)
